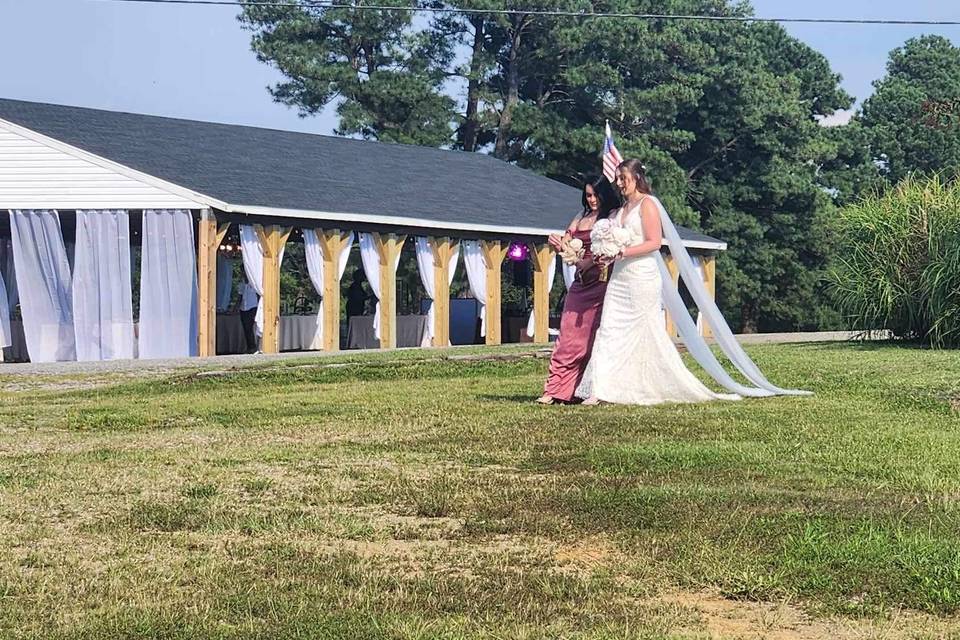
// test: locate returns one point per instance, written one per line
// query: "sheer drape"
(102, 293)
(476, 278)
(425, 266)
(314, 254)
(370, 259)
(6, 338)
(168, 285)
(569, 271)
(253, 267)
(43, 282)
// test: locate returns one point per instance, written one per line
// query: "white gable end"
(35, 174)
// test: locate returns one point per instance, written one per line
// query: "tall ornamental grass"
(897, 264)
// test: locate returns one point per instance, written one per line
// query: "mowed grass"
(410, 496)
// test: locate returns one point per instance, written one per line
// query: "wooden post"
(541, 256)
(493, 254)
(272, 239)
(675, 276)
(442, 249)
(332, 245)
(207, 244)
(710, 282)
(388, 247)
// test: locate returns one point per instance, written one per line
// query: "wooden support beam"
(493, 254)
(272, 240)
(207, 244)
(332, 245)
(710, 282)
(541, 256)
(388, 248)
(675, 276)
(442, 249)
(222, 229)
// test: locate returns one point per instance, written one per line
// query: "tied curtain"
(102, 293)
(551, 274)
(314, 254)
(253, 267)
(44, 284)
(477, 278)
(425, 265)
(370, 258)
(168, 285)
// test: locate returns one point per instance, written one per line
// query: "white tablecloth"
(410, 332)
(300, 333)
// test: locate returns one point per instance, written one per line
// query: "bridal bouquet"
(608, 239)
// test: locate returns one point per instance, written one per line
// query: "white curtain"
(102, 293)
(43, 280)
(569, 272)
(311, 246)
(6, 338)
(698, 265)
(476, 278)
(425, 265)
(695, 343)
(224, 281)
(252, 254)
(370, 258)
(168, 285)
(253, 267)
(551, 273)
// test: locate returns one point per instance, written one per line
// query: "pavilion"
(188, 181)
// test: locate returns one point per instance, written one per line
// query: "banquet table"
(300, 333)
(18, 351)
(410, 332)
(230, 337)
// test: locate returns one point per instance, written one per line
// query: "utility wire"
(541, 12)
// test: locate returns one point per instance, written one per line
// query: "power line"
(543, 12)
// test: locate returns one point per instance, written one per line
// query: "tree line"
(727, 116)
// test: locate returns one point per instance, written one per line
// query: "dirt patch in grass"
(721, 617)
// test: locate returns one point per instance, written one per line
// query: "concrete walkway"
(260, 359)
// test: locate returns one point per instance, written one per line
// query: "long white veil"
(694, 342)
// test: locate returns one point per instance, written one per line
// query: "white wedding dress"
(634, 359)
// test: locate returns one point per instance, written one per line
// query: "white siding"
(34, 175)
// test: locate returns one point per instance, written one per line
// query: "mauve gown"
(578, 326)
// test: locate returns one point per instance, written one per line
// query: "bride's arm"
(652, 231)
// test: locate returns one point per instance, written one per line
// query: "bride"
(634, 359)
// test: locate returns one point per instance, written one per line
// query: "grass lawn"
(409, 496)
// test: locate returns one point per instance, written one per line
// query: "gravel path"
(237, 361)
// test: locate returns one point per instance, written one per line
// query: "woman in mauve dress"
(584, 300)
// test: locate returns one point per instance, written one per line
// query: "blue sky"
(195, 62)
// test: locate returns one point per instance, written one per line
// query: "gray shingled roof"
(253, 167)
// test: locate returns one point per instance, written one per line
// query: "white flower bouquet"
(607, 240)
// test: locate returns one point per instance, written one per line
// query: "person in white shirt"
(249, 299)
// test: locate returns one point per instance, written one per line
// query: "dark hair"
(639, 172)
(606, 194)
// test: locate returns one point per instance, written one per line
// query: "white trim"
(425, 223)
(198, 198)
(204, 201)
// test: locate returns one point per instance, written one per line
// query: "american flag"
(611, 157)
